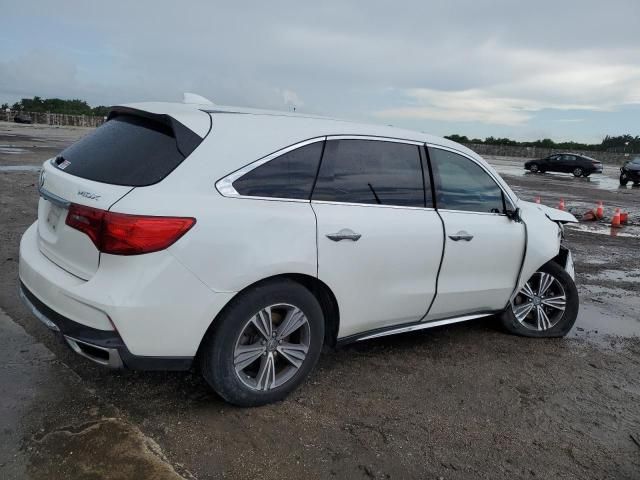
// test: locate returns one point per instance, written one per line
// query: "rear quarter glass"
(128, 150)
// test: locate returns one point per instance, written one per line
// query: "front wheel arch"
(517, 327)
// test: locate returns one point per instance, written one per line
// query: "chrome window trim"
(450, 210)
(352, 204)
(491, 175)
(225, 184)
(375, 138)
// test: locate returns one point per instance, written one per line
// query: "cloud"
(502, 64)
(582, 80)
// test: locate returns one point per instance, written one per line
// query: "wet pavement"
(54, 427)
(607, 180)
(458, 402)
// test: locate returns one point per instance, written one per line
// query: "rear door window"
(461, 184)
(290, 175)
(127, 150)
(371, 172)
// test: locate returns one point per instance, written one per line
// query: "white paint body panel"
(543, 238)
(478, 275)
(389, 275)
(157, 305)
(66, 247)
(162, 303)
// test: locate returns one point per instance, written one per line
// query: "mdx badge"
(89, 195)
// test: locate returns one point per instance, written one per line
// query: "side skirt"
(408, 327)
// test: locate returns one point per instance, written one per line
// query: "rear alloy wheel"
(546, 306)
(264, 344)
(534, 168)
(272, 347)
(578, 172)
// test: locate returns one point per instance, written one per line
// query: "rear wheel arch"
(318, 288)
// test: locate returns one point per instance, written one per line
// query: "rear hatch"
(132, 149)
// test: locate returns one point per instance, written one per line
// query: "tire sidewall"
(570, 314)
(218, 368)
(578, 172)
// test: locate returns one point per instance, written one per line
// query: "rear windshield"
(126, 150)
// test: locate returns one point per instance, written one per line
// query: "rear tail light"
(123, 234)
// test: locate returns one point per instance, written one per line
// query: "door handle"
(461, 235)
(344, 234)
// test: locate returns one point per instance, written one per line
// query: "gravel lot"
(465, 401)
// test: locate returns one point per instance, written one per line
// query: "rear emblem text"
(89, 195)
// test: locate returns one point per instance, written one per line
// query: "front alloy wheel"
(540, 304)
(546, 306)
(534, 168)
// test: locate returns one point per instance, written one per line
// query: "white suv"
(248, 239)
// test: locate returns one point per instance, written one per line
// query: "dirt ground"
(458, 402)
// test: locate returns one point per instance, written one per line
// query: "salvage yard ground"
(465, 401)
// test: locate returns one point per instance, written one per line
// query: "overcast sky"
(541, 68)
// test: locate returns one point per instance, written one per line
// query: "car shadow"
(175, 392)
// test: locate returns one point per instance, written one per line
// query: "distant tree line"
(620, 143)
(57, 105)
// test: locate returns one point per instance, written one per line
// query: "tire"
(237, 327)
(623, 179)
(534, 168)
(561, 321)
(578, 172)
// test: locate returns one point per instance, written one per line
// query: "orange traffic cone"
(537, 199)
(615, 221)
(561, 204)
(600, 210)
(624, 217)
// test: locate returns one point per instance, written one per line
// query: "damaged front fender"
(554, 214)
(544, 236)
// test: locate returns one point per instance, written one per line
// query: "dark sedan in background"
(630, 172)
(579, 165)
(23, 118)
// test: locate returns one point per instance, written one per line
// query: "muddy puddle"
(597, 323)
(615, 275)
(8, 149)
(629, 231)
(608, 180)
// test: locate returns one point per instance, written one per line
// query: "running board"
(410, 327)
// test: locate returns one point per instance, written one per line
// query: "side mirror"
(514, 215)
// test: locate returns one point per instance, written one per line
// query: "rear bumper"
(104, 347)
(149, 308)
